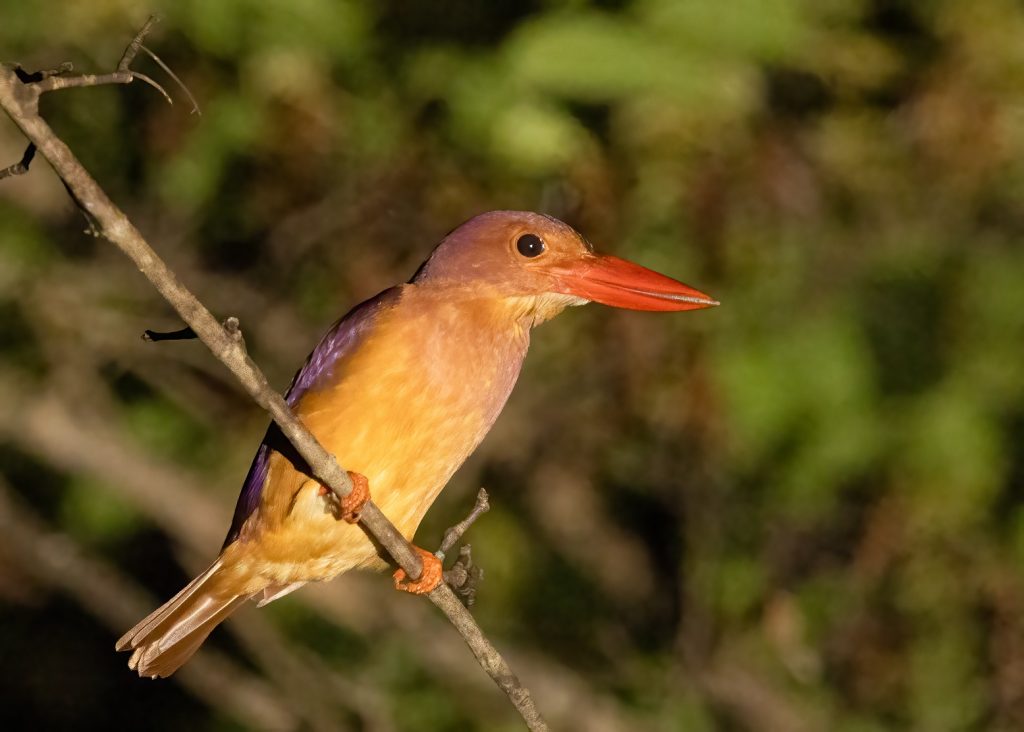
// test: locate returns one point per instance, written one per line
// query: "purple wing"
(343, 337)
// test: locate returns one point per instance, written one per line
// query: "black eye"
(530, 245)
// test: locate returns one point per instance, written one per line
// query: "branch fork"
(37, 83)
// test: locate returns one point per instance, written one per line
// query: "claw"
(352, 504)
(430, 577)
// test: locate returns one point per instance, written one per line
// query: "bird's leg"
(430, 576)
(351, 505)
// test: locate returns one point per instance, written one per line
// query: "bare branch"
(114, 225)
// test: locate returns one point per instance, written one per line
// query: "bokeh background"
(803, 510)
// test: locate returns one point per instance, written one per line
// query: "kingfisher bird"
(401, 390)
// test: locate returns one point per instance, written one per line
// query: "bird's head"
(520, 254)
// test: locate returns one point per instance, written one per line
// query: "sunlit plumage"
(402, 389)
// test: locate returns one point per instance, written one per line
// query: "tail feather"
(168, 637)
(148, 624)
(166, 655)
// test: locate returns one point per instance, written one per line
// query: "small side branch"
(132, 50)
(231, 326)
(153, 336)
(20, 167)
(455, 533)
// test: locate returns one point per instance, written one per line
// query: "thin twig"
(154, 336)
(463, 576)
(181, 85)
(153, 84)
(133, 48)
(115, 226)
(453, 534)
(56, 83)
(30, 77)
(20, 167)
(231, 325)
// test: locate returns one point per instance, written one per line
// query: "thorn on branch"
(20, 167)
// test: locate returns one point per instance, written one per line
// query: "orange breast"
(405, 410)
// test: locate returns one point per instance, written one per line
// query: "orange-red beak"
(622, 284)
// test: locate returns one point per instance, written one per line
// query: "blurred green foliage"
(802, 510)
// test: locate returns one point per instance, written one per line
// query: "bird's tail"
(168, 637)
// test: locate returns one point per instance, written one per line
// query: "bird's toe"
(430, 576)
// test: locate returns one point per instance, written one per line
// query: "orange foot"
(352, 505)
(430, 577)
